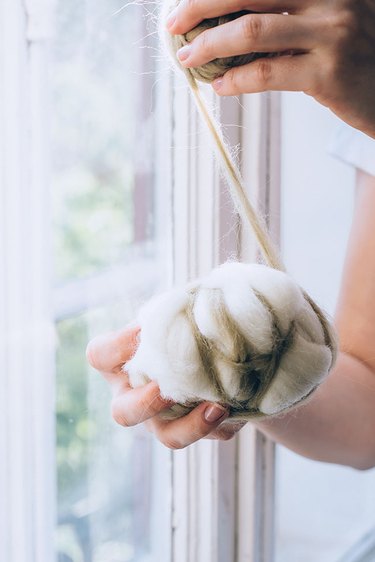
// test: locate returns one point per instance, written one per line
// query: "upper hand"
(131, 406)
(328, 50)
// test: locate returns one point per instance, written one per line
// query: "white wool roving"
(246, 336)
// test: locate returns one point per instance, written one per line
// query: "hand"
(326, 49)
(131, 406)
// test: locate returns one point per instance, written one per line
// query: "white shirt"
(354, 148)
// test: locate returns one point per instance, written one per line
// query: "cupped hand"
(325, 49)
(131, 406)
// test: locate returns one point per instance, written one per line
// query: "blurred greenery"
(73, 427)
(95, 497)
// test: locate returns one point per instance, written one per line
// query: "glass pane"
(112, 483)
(101, 133)
(105, 473)
(322, 510)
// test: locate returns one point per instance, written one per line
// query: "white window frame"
(26, 333)
(223, 498)
(261, 162)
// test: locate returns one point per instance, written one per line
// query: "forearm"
(337, 424)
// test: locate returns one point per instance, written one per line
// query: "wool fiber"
(246, 336)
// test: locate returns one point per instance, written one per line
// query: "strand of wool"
(246, 336)
(245, 209)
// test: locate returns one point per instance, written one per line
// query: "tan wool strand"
(225, 159)
(234, 180)
(255, 370)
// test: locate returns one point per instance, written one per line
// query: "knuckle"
(172, 443)
(341, 27)
(91, 354)
(332, 71)
(315, 85)
(345, 25)
(231, 81)
(326, 78)
(264, 72)
(119, 415)
(252, 27)
(146, 407)
(205, 43)
(190, 5)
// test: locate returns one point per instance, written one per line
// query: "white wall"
(321, 509)
(316, 200)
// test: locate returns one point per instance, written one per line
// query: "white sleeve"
(354, 148)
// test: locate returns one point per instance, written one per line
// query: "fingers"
(137, 405)
(109, 352)
(250, 33)
(226, 431)
(184, 431)
(290, 73)
(190, 13)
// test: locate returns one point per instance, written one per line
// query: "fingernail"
(213, 413)
(171, 19)
(184, 53)
(216, 84)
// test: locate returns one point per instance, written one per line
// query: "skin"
(326, 49)
(336, 425)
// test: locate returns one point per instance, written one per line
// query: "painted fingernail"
(213, 413)
(216, 84)
(171, 19)
(184, 53)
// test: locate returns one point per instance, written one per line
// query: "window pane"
(101, 126)
(112, 483)
(105, 473)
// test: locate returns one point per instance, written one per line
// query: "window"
(105, 166)
(62, 152)
(108, 237)
(74, 185)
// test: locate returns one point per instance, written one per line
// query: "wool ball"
(245, 336)
(213, 69)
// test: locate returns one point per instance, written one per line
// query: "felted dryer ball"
(216, 68)
(246, 336)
